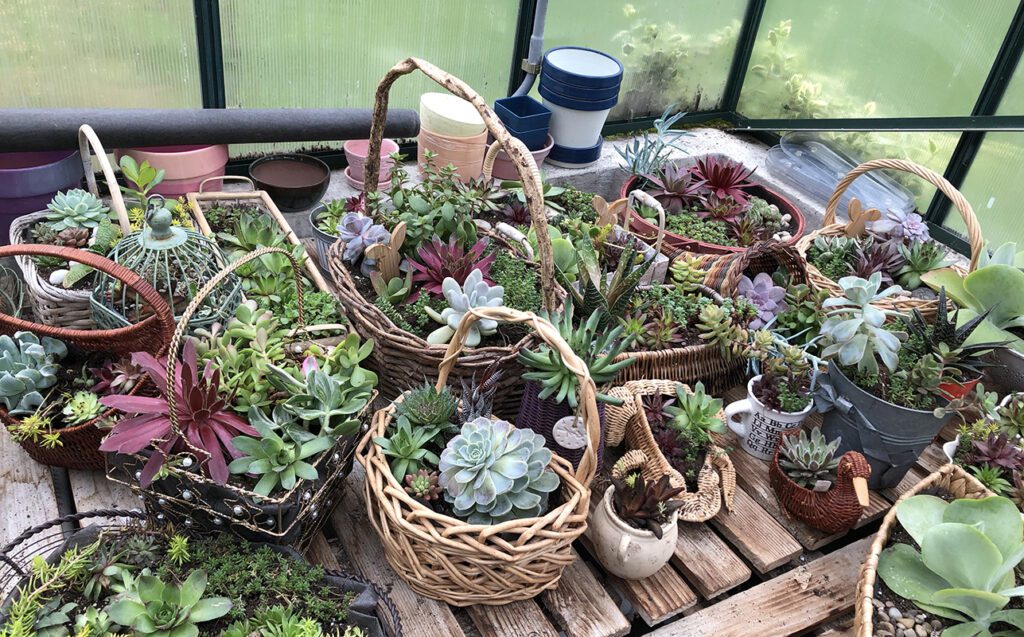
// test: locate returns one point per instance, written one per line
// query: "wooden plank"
(518, 619)
(842, 627)
(913, 476)
(707, 562)
(757, 535)
(877, 507)
(932, 458)
(92, 490)
(801, 599)
(421, 616)
(320, 552)
(26, 490)
(581, 607)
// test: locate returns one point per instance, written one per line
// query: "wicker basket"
(52, 304)
(900, 303)
(79, 445)
(951, 478)
(190, 498)
(401, 359)
(465, 564)
(716, 482)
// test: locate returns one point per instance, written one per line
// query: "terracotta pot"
(465, 153)
(28, 181)
(674, 242)
(625, 551)
(184, 166)
(760, 428)
(504, 168)
(954, 390)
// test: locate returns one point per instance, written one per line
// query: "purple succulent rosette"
(768, 298)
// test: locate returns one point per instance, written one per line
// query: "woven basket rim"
(9, 420)
(19, 235)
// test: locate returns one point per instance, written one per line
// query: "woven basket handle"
(783, 254)
(161, 312)
(974, 235)
(647, 200)
(87, 138)
(223, 178)
(518, 153)
(550, 335)
(179, 332)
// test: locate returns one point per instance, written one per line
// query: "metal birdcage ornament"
(174, 260)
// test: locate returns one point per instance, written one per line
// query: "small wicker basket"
(716, 481)
(900, 303)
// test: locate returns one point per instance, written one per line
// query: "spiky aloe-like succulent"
(597, 289)
(437, 261)
(808, 459)
(423, 485)
(478, 393)
(359, 232)
(474, 292)
(945, 338)
(996, 451)
(646, 505)
(76, 208)
(674, 186)
(493, 472)
(166, 610)
(427, 406)
(723, 178)
(28, 365)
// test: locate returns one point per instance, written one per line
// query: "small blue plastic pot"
(533, 139)
(522, 114)
(582, 67)
(571, 91)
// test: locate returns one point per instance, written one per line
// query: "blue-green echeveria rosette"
(493, 472)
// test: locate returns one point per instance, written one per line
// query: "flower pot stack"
(452, 129)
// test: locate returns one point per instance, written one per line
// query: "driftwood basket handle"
(88, 140)
(974, 235)
(161, 311)
(517, 152)
(647, 200)
(240, 178)
(550, 335)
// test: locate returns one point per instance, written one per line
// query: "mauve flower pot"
(543, 416)
(28, 181)
(184, 166)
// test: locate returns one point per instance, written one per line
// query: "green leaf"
(192, 588)
(954, 284)
(976, 604)
(210, 608)
(1012, 617)
(125, 611)
(960, 554)
(151, 589)
(919, 513)
(903, 571)
(999, 288)
(998, 518)
(971, 629)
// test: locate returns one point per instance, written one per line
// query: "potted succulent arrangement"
(816, 487)
(945, 559)
(990, 446)
(247, 432)
(633, 528)
(894, 407)
(147, 579)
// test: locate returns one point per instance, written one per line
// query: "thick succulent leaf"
(997, 518)
(976, 604)
(920, 513)
(209, 609)
(125, 611)
(953, 282)
(192, 589)
(970, 629)
(902, 569)
(999, 287)
(961, 555)
(1012, 617)
(987, 332)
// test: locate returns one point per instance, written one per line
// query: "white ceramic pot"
(759, 428)
(949, 448)
(625, 551)
(573, 128)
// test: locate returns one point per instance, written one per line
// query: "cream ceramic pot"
(625, 551)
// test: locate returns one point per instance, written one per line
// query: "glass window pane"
(673, 51)
(115, 53)
(862, 58)
(995, 190)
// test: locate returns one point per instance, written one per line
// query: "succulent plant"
(423, 485)
(28, 365)
(1011, 416)
(655, 406)
(808, 460)
(73, 238)
(328, 219)
(493, 472)
(474, 292)
(395, 290)
(766, 216)
(597, 348)
(76, 208)
(945, 337)
(51, 618)
(723, 178)
(688, 273)
(596, 289)
(901, 225)
(427, 406)
(695, 415)
(992, 478)
(281, 621)
(996, 451)
(117, 377)
(517, 213)
(854, 329)
(478, 393)
(280, 455)
(883, 257)
(359, 232)
(107, 573)
(674, 186)
(406, 446)
(717, 326)
(768, 298)
(722, 209)
(437, 261)
(166, 610)
(832, 255)
(646, 505)
(81, 407)
(661, 332)
(919, 257)
(95, 622)
(965, 568)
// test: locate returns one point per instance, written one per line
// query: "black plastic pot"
(295, 182)
(890, 437)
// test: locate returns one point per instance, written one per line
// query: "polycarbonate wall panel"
(108, 53)
(673, 51)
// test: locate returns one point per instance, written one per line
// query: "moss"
(688, 224)
(520, 281)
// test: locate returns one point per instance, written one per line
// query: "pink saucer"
(358, 185)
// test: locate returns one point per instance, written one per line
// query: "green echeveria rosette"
(493, 472)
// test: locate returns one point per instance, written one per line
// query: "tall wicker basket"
(79, 444)
(402, 359)
(52, 304)
(952, 478)
(465, 564)
(900, 303)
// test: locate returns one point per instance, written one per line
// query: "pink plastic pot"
(356, 151)
(184, 166)
(505, 169)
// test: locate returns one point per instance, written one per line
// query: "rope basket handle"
(161, 311)
(87, 138)
(520, 156)
(179, 332)
(223, 178)
(550, 335)
(974, 235)
(646, 199)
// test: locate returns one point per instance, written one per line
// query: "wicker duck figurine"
(832, 511)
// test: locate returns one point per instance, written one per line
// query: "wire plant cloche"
(174, 260)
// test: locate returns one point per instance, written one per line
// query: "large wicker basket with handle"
(79, 444)
(53, 304)
(901, 303)
(465, 564)
(951, 478)
(627, 424)
(400, 358)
